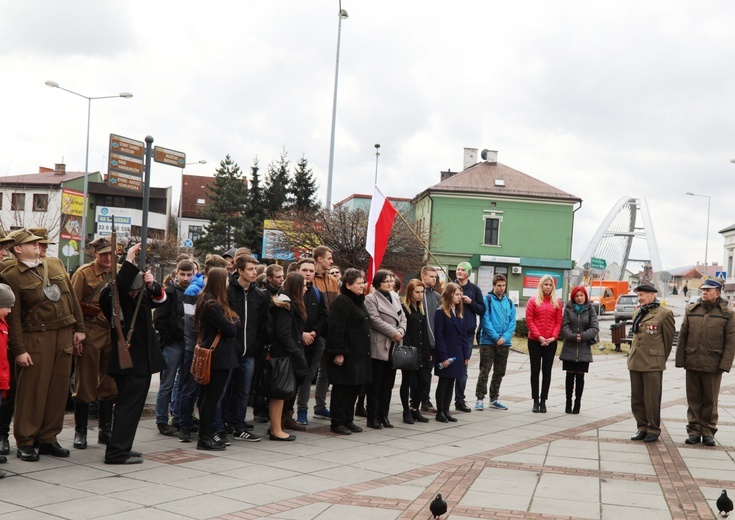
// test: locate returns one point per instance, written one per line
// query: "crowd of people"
(118, 326)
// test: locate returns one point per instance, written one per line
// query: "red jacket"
(4, 362)
(543, 320)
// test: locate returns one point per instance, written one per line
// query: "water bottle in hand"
(449, 361)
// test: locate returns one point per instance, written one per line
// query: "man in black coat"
(135, 288)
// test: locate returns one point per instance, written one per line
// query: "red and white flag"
(380, 222)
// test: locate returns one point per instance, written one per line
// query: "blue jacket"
(499, 320)
(451, 341)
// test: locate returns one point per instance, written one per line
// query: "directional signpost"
(170, 157)
(125, 167)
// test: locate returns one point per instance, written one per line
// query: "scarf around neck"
(642, 314)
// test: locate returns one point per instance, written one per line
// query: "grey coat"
(386, 318)
(584, 324)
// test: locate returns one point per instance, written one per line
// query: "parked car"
(625, 306)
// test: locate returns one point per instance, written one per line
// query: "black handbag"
(404, 357)
(277, 379)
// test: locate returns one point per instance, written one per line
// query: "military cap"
(43, 233)
(711, 283)
(101, 245)
(23, 236)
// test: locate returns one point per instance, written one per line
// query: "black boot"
(6, 417)
(417, 417)
(81, 414)
(408, 417)
(570, 391)
(578, 393)
(535, 406)
(542, 406)
(105, 415)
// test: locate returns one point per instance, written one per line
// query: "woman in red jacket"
(543, 318)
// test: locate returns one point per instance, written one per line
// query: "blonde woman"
(543, 318)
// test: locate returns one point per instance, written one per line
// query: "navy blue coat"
(451, 341)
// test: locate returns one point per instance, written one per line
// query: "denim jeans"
(173, 354)
(188, 392)
(242, 384)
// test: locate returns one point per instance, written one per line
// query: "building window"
(492, 228)
(17, 202)
(195, 233)
(40, 202)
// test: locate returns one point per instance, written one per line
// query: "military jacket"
(707, 338)
(652, 343)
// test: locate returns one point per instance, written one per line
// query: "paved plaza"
(491, 464)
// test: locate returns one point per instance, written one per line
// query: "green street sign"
(598, 263)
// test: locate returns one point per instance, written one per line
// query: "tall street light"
(126, 95)
(706, 238)
(341, 16)
(181, 195)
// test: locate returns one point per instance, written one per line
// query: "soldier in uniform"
(91, 381)
(653, 337)
(706, 349)
(45, 325)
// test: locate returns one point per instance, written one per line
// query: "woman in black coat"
(215, 317)
(347, 352)
(415, 382)
(451, 350)
(579, 329)
(288, 313)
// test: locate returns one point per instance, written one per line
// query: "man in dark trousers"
(706, 350)
(432, 301)
(135, 289)
(653, 337)
(473, 305)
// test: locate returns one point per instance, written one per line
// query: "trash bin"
(618, 334)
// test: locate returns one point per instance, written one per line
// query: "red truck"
(604, 294)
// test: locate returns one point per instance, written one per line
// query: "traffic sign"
(721, 274)
(188, 243)
(170, 157)
(598, 263)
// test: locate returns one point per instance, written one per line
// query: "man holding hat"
(706, 349)
(91, 381)
(653, 337)
(45, 326)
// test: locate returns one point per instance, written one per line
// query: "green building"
(501, 221)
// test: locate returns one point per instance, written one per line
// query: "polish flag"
(380, 222)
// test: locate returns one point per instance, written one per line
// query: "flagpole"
(421, 242)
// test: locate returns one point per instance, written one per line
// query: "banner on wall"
(531, 279)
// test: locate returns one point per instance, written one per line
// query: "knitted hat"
(7, 298)
(466, 265)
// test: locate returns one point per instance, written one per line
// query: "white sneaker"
(479, 405)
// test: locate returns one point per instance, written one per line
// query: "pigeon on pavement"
(724, 504)
(438, 506)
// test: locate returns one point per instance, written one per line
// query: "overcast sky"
(600, 99)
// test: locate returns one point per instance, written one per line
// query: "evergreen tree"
(304, 188)
(256, 206)
(229, 225)
(278, 195)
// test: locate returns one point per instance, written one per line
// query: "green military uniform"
(646, 362)
(706, 349)
(44, 329)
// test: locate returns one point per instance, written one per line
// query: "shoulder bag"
(201, 365)
(277, 379)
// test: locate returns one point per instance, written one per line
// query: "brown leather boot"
(288, 422)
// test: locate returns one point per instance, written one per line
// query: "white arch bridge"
(628, 219)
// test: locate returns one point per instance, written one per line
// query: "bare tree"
(345, 232)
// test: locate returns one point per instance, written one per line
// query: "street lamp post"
(126, 95)
(181, 195)
(706, 238)
(341, 15)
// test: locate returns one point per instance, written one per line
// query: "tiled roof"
(483, 176)
(45, 178)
